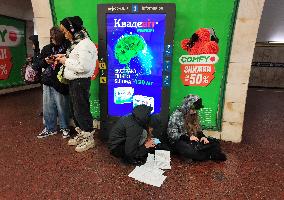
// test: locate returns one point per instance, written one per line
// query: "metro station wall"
(190, 16)
(267, 66)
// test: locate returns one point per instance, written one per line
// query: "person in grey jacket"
(78, 66)
(186, 136)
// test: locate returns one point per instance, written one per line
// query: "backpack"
(30, 75)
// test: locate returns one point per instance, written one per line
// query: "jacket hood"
(188, 102)
(142, 114)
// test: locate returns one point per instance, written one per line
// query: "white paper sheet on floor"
(151, 172)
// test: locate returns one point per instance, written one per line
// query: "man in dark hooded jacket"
(129, 138)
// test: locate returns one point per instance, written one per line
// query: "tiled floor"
(32, 168)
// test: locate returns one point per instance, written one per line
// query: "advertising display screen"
(135, 49)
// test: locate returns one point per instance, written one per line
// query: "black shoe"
(218, 156)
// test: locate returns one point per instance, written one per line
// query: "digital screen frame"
(138, 73)
(135, 45)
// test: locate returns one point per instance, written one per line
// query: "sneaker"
(45, 133)
(77, 139)
(86, 144)
(80, 137)
(65, 132)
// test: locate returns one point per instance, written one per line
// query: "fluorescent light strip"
(276, 42)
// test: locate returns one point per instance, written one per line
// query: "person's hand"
(205, 140)
(194, 138)
(60, 58)
(149, 143)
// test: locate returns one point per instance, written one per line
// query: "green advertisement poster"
(12, 51)
(193, 72)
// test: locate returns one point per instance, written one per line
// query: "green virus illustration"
(128, 47)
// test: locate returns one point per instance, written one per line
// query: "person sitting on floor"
(158, 131)
(129, 139)
(186, 136)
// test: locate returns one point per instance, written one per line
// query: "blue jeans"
(55, 104)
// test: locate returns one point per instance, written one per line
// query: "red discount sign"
(197, 74)
(5, 63)
(198, 70)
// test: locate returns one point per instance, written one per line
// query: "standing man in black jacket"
(55, 93)
(130, 139)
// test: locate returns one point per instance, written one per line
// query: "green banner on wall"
(12, 51)
(191, 15)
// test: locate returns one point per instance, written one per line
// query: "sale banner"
(5, 62)
(12, 51)
(197, 75)
(198, 70)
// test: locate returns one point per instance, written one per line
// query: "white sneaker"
(65, 132)
(45, 133)
(80, 137)
(79, 131)
(77, 139)
(86, 144)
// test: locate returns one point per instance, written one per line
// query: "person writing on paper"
(158, 131)
(130, 139)
(78, 66)
(186, 136)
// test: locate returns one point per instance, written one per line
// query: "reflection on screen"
(135, 46)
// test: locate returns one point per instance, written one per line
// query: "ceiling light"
(276, 42)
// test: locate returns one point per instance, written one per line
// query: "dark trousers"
(119, 152)
(80, 104)
(187, 150)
